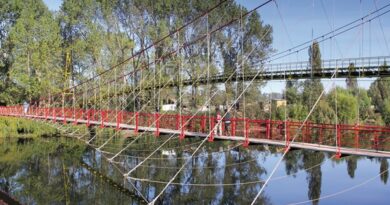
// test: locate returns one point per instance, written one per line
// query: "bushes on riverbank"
(16, 127)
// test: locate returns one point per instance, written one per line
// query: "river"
(63, 170)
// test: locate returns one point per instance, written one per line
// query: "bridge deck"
(298, 145)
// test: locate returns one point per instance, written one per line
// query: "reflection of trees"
(209, 168)
(38, 171)
(352, 165)
(242, 194)
(384, 168)
(291, 161)
(37, 175)
(311, 162)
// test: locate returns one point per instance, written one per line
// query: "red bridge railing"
(370, 137)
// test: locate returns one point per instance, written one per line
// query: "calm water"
(65, 171)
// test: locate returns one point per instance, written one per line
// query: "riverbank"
(19, 127)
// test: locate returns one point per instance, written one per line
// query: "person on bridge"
(227, 121)
(26, 106)
(218, 121)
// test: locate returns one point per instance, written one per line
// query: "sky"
(297, 21)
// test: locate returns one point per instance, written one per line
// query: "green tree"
(292, 94)
(312, 88)
(379, 91)
(297, 111)
(386, 111)
(346, 105)
(366, 113)
(36, 50)
(10, 92)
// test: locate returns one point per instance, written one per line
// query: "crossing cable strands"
(187, 122)
(135, 188)
(142, 109)
(156, 42)
(307, 117)
(150, 46)
(273, 58)
(169, 54)
(199, 156)
(205, 167)
(144, 106)
(289, 145)
(159, 158)
(229, 184)
(206, 138)
(180, 47)
(383, 32)
(346, 27)
(283, 23)
(172, 136)
(215, 127)
(110, 159)
(331, 26)
(201, 37)
(329, 38)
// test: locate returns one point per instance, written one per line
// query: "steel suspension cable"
(187, 161)
(289, 145)
(156, 42)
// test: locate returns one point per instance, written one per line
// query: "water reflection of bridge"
(365, 140)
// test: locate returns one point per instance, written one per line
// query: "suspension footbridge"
(128, 96)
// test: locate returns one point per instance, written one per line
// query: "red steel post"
(267, 128)
(338, 136)
(178, 118)
(287, 130)
(212, 130)
(157, 120)
(75, 118)
(88, 117)
(233, 126)
(136, 122)
(54, 115)
(308, 132)
(64, 117)
(203, 124)
(246, 132)
(376, 140)
(46, 113)
(182, 134)
(102, 116)
(356, 128)
(118, 120)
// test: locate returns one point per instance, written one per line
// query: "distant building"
(279, 102)
(276, 103)
(168, 107)
(204, 108)
(168, 152)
